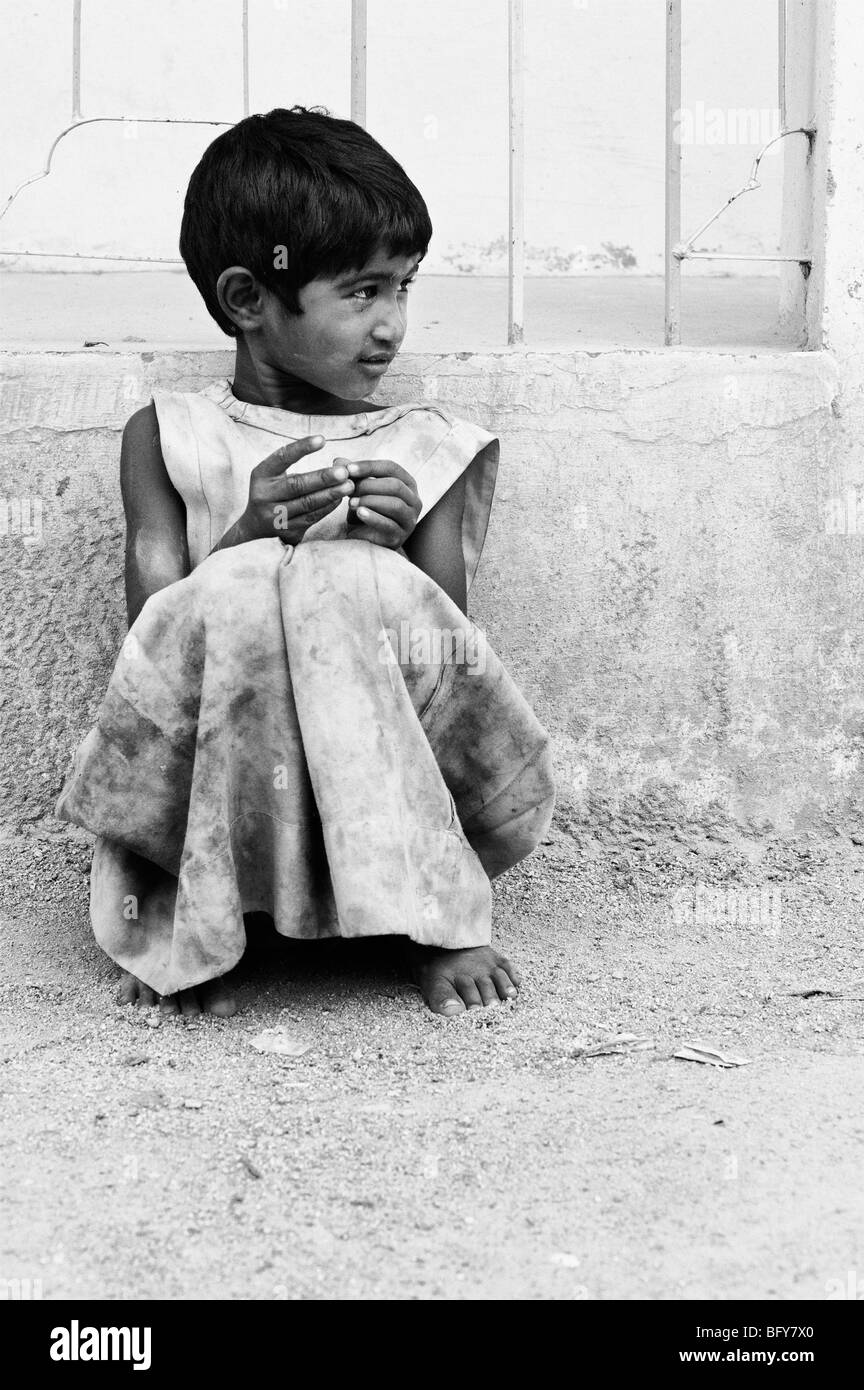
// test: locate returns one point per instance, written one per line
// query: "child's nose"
(392, 320)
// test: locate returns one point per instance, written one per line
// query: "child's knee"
(247, 564)
(354, 572)
(362, 573)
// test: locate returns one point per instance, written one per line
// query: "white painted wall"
(437, 99)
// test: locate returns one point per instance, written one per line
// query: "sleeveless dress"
(211, 441)
(313, 731)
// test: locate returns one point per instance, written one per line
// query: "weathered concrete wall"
(658, 573)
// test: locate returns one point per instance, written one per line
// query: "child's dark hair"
(301, 179)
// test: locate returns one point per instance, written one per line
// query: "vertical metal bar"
(672, 334)
(516, 175)
(358, 61)
(781, 61)
(245, 57)
(76, 60)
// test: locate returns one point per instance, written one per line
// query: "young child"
(303, 721)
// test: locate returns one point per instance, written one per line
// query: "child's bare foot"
(453, 981)
(215, 997)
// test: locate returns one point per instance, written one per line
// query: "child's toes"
(189, 1006)
(131, 990)
(127, 990)
(510, 970)
(488, 991)
(443, 998)
(169, 1005)
(467, 987)
(504, 984)
(217, 998)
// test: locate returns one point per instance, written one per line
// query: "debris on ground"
(280, 1041)
(134, 1059)
(814, 992)
(696, 1052)
(618, 1046)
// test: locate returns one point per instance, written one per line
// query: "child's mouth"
(376, 364)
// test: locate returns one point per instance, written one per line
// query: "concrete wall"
(658, 574)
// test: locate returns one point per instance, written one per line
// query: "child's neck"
(260, 384)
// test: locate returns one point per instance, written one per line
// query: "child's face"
(347, 319)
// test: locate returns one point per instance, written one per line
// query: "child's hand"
(385, 505)
(287, 504)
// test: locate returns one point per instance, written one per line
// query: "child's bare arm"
(156, 550)
(435, 544)
(157, 553)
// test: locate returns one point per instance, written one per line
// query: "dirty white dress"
(313, 731)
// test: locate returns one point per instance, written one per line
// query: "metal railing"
(676, 250)
(78, 120)
(358, 62)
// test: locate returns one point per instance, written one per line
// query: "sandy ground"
(402, 1156)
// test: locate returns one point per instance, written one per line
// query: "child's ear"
(240, 297)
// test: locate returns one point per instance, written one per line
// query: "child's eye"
(373, 289)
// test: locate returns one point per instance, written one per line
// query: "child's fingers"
(370, 508)
(308, 502)
(390, 487)
(378, 468)
(381, 530)
(297, 491)
(283, 458)
(321, 508)
(308, 509)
